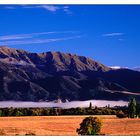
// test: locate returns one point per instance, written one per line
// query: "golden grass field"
(65, 125)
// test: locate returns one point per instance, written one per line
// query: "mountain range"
(49, 76)
(136, 68)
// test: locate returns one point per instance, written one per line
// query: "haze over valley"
(63, 54)
(53, 76)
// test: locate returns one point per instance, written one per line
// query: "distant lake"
(73, 104)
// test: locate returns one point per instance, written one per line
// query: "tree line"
(131, 111)
(59, 111)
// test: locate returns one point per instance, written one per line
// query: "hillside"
(27, 76)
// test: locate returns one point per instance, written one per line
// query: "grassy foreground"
(65, 125)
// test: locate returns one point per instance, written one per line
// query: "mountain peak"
(8, 49)
(51, 61)
(52, 75)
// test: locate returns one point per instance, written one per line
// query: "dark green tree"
(138, 110)
(90, 126)
(90, 105)
(1, 114)
(132, 108)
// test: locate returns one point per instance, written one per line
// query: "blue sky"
(108, 34)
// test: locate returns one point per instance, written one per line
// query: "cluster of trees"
(133, 110)
(59, 111)
(90, 111)
(27, 111)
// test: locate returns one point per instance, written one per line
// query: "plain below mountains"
(49, 76)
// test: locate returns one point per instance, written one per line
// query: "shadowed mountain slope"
(27, 76)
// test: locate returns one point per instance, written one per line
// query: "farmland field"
(65, 125)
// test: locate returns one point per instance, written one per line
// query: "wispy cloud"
(15, 37)
(31, 35)
(50, 8)
(9, 7)
(121, 39)
(67, 10)
(41, 37)
(113, 34)
(37, 41)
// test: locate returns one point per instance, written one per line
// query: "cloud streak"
(32, 35)
(9, 7)
(113, 34)
(50, 8)
(40, 37)
(37, 41)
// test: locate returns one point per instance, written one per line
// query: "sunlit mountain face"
(50, 76)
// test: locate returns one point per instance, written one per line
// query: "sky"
(109, 34)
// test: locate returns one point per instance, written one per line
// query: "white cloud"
(67, 10)
(120, 39)
(46, 7)
(9, 7)
(113, 34)
(41, 37)
(115, 67)
(50, 8)
(118, 67)
(15, 37)
(36, 41)
(32, 35)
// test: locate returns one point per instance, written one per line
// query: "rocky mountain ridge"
(26, 76)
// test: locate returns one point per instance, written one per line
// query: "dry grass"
(65, 125)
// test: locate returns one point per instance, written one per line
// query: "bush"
(121, 114)
(90, 126)
(30, 134)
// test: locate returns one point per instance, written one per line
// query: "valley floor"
(65, 125)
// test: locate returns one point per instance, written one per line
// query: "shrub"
(121, 114)
(90, 126)
(30, 134)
